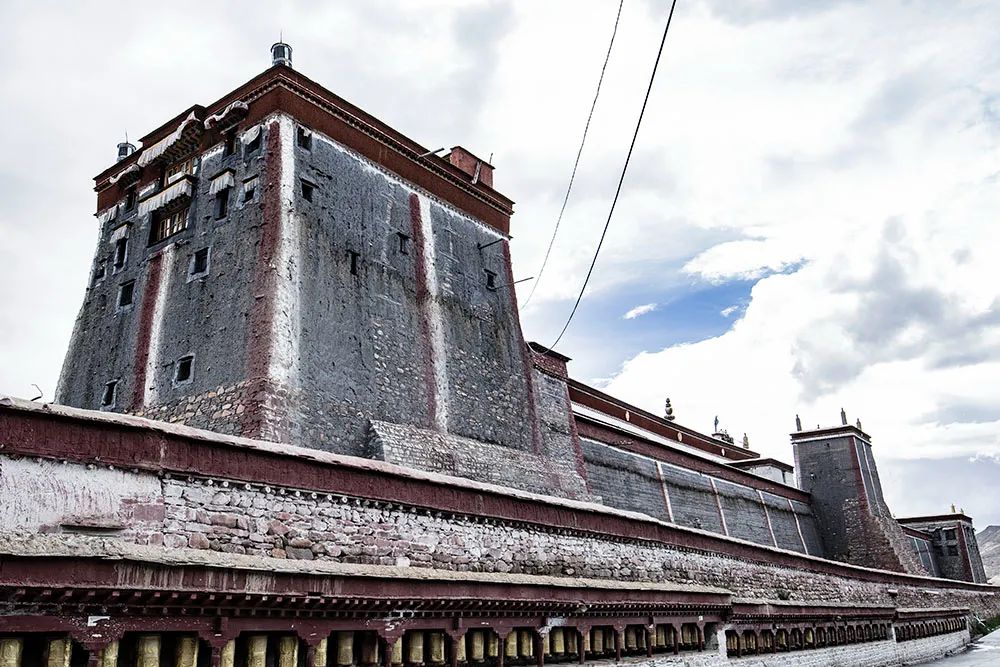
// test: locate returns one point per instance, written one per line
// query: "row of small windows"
(183, 374)
(197, 268)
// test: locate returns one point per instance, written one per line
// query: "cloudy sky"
(808, 223)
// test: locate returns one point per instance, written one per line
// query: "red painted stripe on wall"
(265, 276)
(147, 312)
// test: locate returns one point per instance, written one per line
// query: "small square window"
(110, 394)
(126, 292)
(249, 189)
(491, 279)
(221, 203)
(353, 256)
(184, 369)
(99, 273)
(121, 253)
(404, 243)
(253, 145)
(307, 190)
(199, 263)
(229, 143)
(304, 139)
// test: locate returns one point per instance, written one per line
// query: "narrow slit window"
(249, 189)
(303, 138)
(121, 253)
(109, 394)
(307, 190)
(99, 273)
(184, 369)
(126, 294)
(229, 143)
(199, 262)
(491, 279)
(221, 203)
(404, 243)
(130, 198)
(354, 262)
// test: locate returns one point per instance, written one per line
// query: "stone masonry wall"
(633, 482)
(286, 523)
(869, 654)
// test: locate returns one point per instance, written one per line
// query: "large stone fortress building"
(303, 427)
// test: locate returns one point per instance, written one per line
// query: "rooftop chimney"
(479, 170)
(124, 150)
(281, 54)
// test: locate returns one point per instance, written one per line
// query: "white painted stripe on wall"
(151, 393)
(435, 318)
(287, 322)
(767, 515)
(666, 492)
(798, 526)
(718, 503)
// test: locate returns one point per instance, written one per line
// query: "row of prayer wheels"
(357, 649)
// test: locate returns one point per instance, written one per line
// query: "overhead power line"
(579, 152)
(621, 179)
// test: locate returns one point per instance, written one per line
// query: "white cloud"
(639, 311)
(729, 310)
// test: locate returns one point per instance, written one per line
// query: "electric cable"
(576, 163)
(621, 180)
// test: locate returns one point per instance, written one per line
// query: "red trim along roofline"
(936, 517)
(752, 463)
(617, 408)
(358, 130)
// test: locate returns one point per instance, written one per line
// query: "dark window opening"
(303, 138)
(229, 144)
(126, 292)
(254, 144)
(167, 225)
(199, 262)
(404, 243)
(221, 203)
(491, 279)
(949, 535)
(354, 262)
(109, 394)
(130, 196)
(952, 550)
(99, 273)
(307, 190)
(249, 189)
(184, 369)
(121, 252)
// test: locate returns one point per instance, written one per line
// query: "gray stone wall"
(204, 316)
(633, 482)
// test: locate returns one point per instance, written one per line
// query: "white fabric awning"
(168, 194)
(251, 134)
(120, 232)
(221, 182)
(161, 146)
(131, 169)
(108, 214)
(239, 107)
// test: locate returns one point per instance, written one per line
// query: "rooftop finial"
(843, 417)
(798, 423)
(668, 411)
(858, 424)
(281, 53)
(746, 441)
